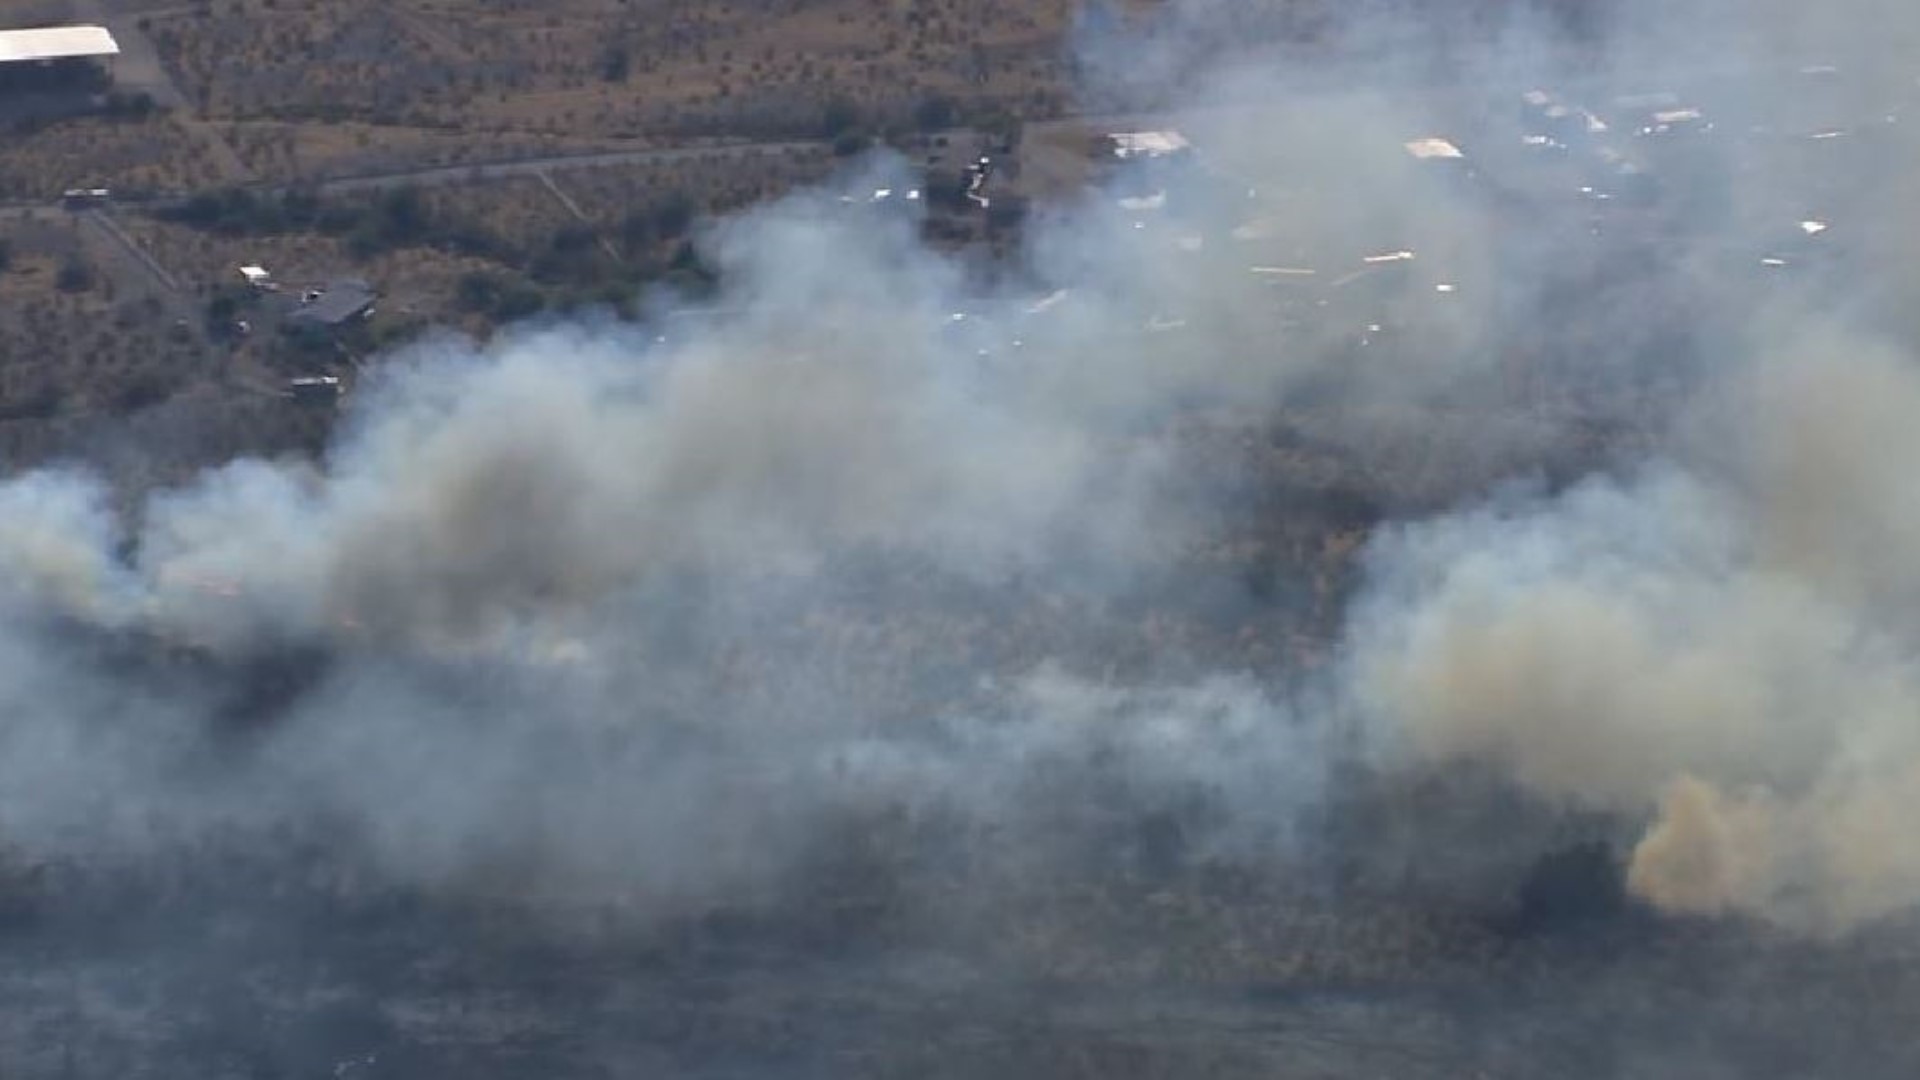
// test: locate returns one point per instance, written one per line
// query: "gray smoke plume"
(644, 613)
(598, 612)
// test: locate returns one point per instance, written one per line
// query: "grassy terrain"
(280, 96)
(129, 155)
(606, 68)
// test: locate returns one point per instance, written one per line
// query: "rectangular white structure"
(1151, 144)
(56, 43)
(1434, 148)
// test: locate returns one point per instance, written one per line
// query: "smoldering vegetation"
(1323, 610)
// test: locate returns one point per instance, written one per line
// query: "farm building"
(56, 59)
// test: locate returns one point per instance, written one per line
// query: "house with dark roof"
(331, 308)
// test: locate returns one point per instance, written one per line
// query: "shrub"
(476, 291)
(300, 208)
(840, 117)
(41, 402)
(75, 276)
(615, 65)
(518, 301)
(934, 113)
(497, 298)
(140, 391)
(672, 216)
(1578, 885)
(124, 106)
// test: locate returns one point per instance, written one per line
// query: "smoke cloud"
(644, 613)
(1719, 641)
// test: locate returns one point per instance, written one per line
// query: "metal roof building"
(1149, 144)
(1430, 149)
(56, 43)
(335, 304)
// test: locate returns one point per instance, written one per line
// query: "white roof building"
(56, 43)
(1430, 149)
(1148, 144)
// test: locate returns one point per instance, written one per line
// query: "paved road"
(455, 174)
(429, 176)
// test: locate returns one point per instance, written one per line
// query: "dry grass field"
(285, 152)
(94, 366)
(606, 68)
(275, 94)
(602, 230)
(609, 195)
(131, 156)
(77, 338)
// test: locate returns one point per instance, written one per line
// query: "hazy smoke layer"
(646, 614)
(610, 613)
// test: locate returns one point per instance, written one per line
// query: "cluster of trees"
(397, 219)
(574, 272)
(39, 402)
(577, 264)
(852, 128)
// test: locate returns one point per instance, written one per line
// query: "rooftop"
(335, 304)
(1428, 149)
(56, 43)
(1130, 144)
